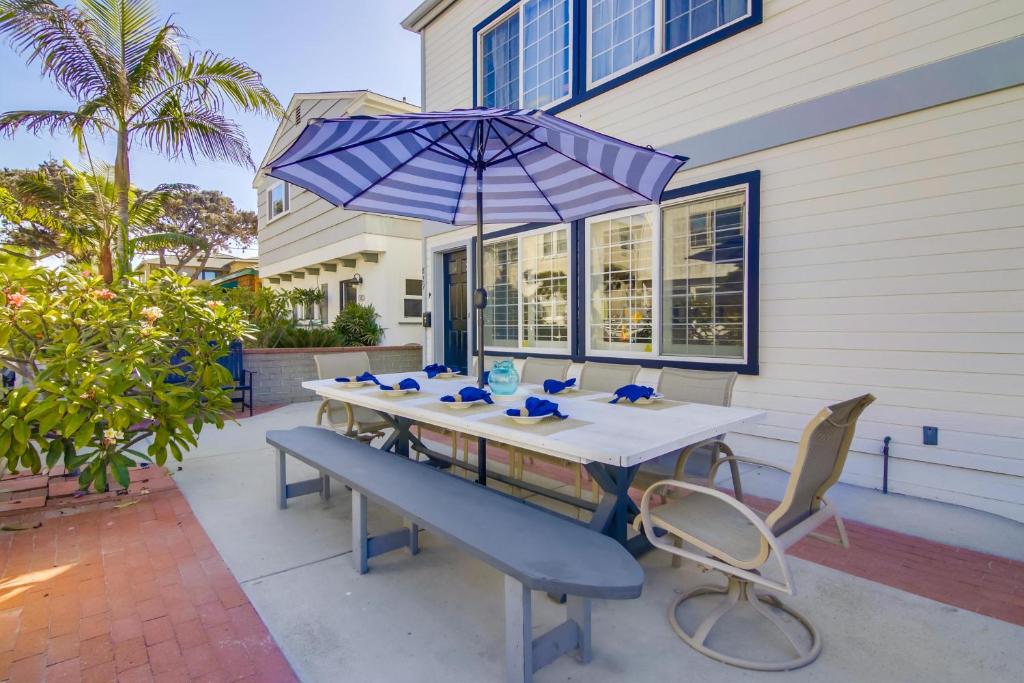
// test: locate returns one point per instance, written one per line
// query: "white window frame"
(538, 350)
(659, 41)
(657, 276)
(406, 296)
(287, 200)
(518, 9)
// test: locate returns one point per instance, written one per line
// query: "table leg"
(481, 461)
(616, 509)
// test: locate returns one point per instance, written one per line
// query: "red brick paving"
(138, 593)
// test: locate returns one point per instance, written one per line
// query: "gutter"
(424, 14)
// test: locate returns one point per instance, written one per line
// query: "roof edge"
(427, 11)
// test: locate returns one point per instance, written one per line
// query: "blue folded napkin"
(631, 392)
(435, 369)
(365, 377)
(553, 386)
(536, 407)
(468, 394)
(407, 384)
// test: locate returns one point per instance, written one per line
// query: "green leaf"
(121, 472)
(54, 453)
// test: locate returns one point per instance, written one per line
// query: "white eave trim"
(424, 14)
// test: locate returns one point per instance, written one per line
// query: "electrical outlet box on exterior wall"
(931, 436)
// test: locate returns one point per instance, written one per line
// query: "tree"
(209, 220)
(75, 214)
(29, 229)
(132, 82)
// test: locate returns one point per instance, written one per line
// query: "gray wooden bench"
(536, 549)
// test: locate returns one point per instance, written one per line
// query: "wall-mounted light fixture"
(357, 278)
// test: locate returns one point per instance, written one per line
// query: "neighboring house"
(353, 257)
(217, 269)
(850, 218)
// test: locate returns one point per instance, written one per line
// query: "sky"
(298, 46)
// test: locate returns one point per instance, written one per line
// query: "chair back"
(234, 361)
(819, 462)
(536, 369)
(331, 365)
(697, 386)
(607, 376)
(489, 362)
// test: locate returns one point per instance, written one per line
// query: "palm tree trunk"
(122, 182)
(106, 263)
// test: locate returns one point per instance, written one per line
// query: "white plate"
(446, 375)
(644, 401)
(462, 405)
(527, 419)
(395, 393)
(566, 390)
(352, 384)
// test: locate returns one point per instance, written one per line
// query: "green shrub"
(94, 360)
(305, 338)
(357, 325)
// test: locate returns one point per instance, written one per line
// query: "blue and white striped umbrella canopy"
(535, 168)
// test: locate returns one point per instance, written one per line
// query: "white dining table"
(611, 440)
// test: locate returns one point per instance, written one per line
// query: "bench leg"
(325, 487)
(282, 482)
(360, 541)
(518, 632)
(578, 610)
(414, 538)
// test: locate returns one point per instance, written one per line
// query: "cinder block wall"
(280, 372)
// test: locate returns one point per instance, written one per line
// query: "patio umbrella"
(473, 166)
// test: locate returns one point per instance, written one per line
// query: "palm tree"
(124, 67)
(82, 209)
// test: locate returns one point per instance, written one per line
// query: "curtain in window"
(622, 32)
(501, 64)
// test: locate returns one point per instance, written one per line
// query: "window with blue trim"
(625, 33)
(525, 56)
(680, 268)
(622, 33)
(688, 20)
(501, 64)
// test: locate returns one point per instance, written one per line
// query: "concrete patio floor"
(438, 616)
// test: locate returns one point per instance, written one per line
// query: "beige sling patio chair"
(536, 369)
(354, 421)
(734, 539)
(693, 463)
(607, 376)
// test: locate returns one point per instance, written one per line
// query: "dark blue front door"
(456, 314)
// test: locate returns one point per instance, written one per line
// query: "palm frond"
(201, 132)
(167, 240)
(61, 41)
(161, 53)
(75, 123)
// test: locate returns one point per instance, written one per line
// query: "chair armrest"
(750, 461)
(768, 537)
(685, 454)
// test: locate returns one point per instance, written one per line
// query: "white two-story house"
(351, 256)
(851, 217)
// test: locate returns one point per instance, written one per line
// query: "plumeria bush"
(93, 362)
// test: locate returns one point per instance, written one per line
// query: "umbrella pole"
(480, 299)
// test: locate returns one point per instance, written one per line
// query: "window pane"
(621, 283)
(501, 278)
(277, 200)
(501, 64)
(413, 308)
(414, 287)
(687, 20)
(622, 32)
(703, 253)
(545, 51)
(544, 262)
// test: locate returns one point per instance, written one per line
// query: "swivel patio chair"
(734, 539)
(353, 421)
